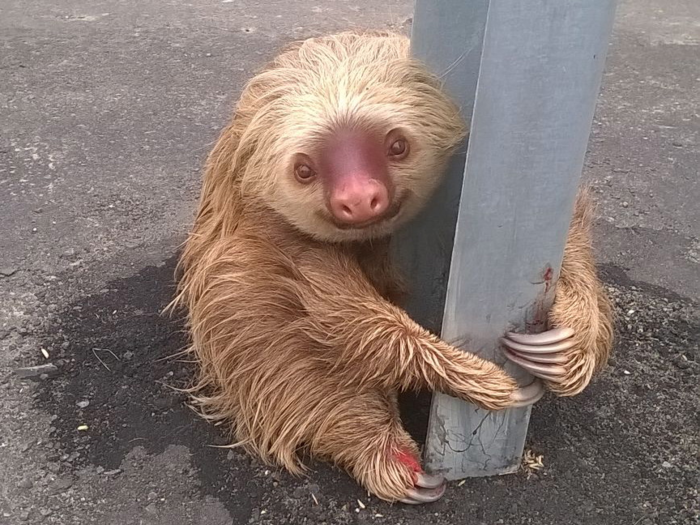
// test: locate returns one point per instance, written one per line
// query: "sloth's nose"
(360, 200)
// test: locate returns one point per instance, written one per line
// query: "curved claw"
(534, 349)
(528, 395)
(540, 354)
(416, 496)
(427, 481)
(545, 338)
(547, 372)
(553, 359)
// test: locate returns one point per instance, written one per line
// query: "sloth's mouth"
(385, 218)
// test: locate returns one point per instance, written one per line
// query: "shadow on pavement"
(622, 452)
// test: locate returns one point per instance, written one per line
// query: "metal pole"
(528, 75)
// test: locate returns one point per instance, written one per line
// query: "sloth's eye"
(398, 149)
(304, 173)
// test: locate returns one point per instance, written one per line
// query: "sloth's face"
(353, 144)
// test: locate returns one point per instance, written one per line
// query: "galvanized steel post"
(480, 257)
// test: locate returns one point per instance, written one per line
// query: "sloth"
(291, 296)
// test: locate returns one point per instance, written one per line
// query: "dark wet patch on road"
(115, 379)
(116, 376)
(635, 426)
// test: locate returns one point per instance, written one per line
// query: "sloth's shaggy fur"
(300, 345)
(582, 304)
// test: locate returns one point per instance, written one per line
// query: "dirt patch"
(625, 451)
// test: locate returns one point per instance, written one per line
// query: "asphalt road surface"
(107, 109)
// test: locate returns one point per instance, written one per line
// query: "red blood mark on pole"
(542, 304)
(548, 274)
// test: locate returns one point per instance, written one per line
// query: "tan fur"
(300, 345)
(582, 304)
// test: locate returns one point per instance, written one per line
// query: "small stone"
(113, 472)
(152, 509)
(682, 363)
(45, 512)
(666, 464)
(24, 515)
(163, 403)
(26, 483)
(61, 485)
(83, 404)
(7, 271)
(625, 204)
(128, 355)
(100, 470)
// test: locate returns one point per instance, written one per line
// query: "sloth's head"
(351, 136)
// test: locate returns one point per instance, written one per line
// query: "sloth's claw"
(528, 395)
(417, 495)
(548, 372)
(544, 338)
(543, 355)
(554, 358)
(538, 349)
(426, 481)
